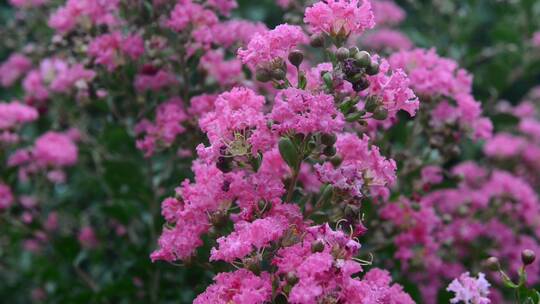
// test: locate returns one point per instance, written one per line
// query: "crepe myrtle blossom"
(470, 290)
(84, 12)
(13, 68)
(265, 47)
(340, 17)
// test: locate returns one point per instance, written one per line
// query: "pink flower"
(202, 104)
(187, 13)
(167, 127)
(470, 290)
(98, 12)
(247, 237)
(225, 72)
(276, 43)
(6, 197)
(387, 12)
(55, 149)
(306, 113)
(110, 49)
(230, 32)
(13, 68)
(153, 79)
(536, 39)
(239, 287)
(15, 114)
(387, 39)
(336, 16)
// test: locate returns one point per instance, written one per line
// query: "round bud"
(317, 246)
(263, 75)
(336, 161)
(223, 164)
(372, 69)
(291, 278)
(328, 139)
(296, 57)
(492, 264)
(372, 102)
(380, 113)
(353, 51)
(317, 40)
(278, 74)
(527, 257)
(329, 151)
(363, 59)
(354, 117)
(342, 53)
(361, 85)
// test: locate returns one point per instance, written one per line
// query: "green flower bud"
(329, 151)
(342, 53)
(328, 139)
(527, 257)
(288, 152)
(278, 74)
(317, 40)
(363, 59)
(353, 51)
(296, 57)
(291, 278)
(373, 68)
(380, 113)
(492, 264)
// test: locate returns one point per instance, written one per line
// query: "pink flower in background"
(6, 197)
(188, 13)
(470, 290)
(13, 68)
(87, 238)
(225, 72)
(393, 86)
(230, 32)
(504, 145)
(55, 149)
(14, 114)
(276, 43)
(432, 175)
(387, 12)
(98, 12)
(335, 16)
(167, 126)
(111, 49)
(387, 39)
(223, 7)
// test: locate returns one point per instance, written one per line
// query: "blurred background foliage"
(488, 37)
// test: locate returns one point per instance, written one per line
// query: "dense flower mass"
(470, 290)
